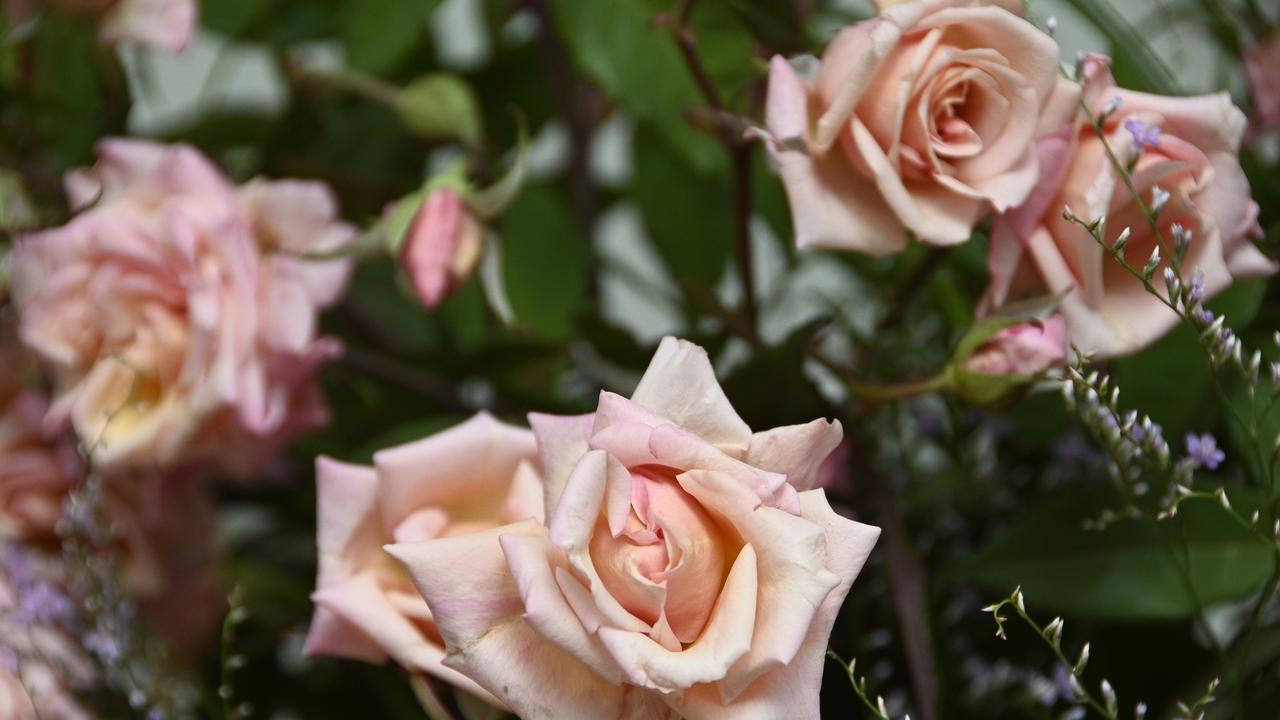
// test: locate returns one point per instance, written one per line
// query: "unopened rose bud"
(442, 246)
(1025, 349)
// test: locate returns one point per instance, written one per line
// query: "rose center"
(668, 564)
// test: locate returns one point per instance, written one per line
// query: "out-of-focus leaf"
(378, 34)
(1134, 63)
(1144, 381)
(545, 263)
(616, 44)
(1239, 303)
(685, 211)
(441, 105)
(777, 24)
(1130, 570)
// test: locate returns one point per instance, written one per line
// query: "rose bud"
(999, 358)
(442, 246)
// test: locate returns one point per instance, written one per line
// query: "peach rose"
(685, 567)
(442, 247)
(920, 120)
(164, 24)
(470, 478)
(41, 668)
(1260, 62)
(1025, 349)
(174, 312)
(1184, 146)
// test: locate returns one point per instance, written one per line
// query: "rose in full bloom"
(471, 478)
(685, 567)
(920, 120)
(442, 246)
(1185, 146)
(177, 313)
(41, 667)
(1024, 349)
(165, 24)
(1260, 62)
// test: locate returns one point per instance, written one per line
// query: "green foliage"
(1128, 571)
(544, 263)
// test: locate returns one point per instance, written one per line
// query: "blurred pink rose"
(1025, 349)
(165, 24)
(41, 667)
(470, 478)
(1186, 146)
(922, 119)
(1262, 63)
(685, 568)
(174, 312)
(36, 472)
(442, 247)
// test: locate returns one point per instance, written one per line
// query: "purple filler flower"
(1203, 451)
(1144, 136)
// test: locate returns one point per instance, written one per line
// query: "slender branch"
(739, 155)
(437, 390)
(915, 282)
(573, 99)
(907, 586)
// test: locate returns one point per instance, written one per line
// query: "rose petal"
(465, 470)
(479, 612)
(681, 385)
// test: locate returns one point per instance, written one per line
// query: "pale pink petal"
(562, 440)
(534, 563)
(466, 466)
(727, 638)
(849, 65)
(832, 206)
(480, 614)
(681, 385)
(796, 451)
(792, 691)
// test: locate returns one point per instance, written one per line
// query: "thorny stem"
(739, 151)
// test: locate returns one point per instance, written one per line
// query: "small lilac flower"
(44, 604)
(103, 645)
(1203, 451)
(1144, 136)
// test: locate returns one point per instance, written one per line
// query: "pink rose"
(920, 120)
(685, 566)
(468, 479)
(442, 246)
(36, 472)
(174, 312)
(1025, 349)
(1185, 146)
(1261, 63)
(42, 669)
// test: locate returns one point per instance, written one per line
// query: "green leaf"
(616, 44)
(379, 34)
(1239, 303)
(1144, 381)
(779, 24)
(544, 263)
(686, 212)
(1127, 572)
(441, 105)
(1134, 63)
